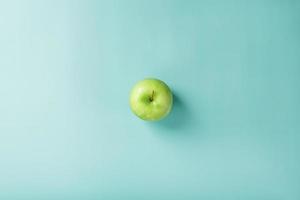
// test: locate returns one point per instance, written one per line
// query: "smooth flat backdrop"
(66, 130)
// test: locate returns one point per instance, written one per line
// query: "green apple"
(151, 99)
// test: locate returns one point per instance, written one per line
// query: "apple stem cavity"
(152, 96)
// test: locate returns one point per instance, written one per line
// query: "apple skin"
(151, 99)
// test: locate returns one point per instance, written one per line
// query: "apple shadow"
(179, 119)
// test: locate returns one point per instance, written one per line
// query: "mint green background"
(66, 130)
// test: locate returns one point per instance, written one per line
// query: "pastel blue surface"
(66, 130)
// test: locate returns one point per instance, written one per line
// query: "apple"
(151, 99)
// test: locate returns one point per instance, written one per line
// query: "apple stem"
(151, 98)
